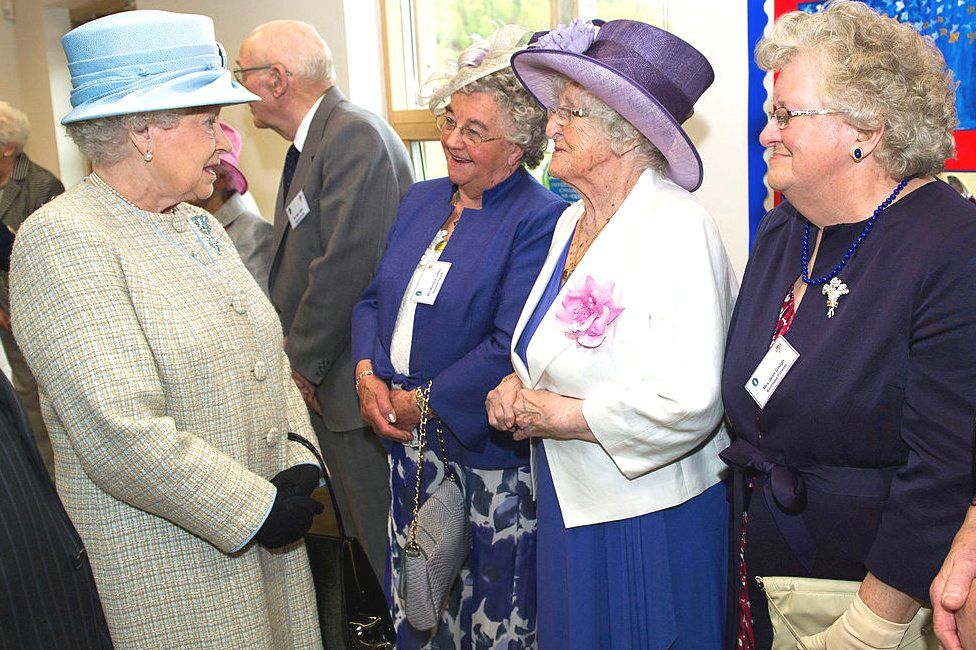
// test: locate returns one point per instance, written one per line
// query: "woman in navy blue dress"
(618, 351)
(486, 229)
(859, 465)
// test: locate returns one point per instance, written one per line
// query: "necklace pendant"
(834, 290)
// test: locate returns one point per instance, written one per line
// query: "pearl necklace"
(834, 287)
(100, 183)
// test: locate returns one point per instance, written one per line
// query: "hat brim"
(237, 180)
(535, 67)
(203, 88)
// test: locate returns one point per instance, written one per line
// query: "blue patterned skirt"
(492, 603)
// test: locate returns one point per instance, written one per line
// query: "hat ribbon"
(125, 80)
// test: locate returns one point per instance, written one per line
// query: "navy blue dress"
(884, 390)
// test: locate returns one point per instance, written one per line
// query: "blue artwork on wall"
(952, 25)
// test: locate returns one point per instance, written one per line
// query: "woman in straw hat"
(618, 350)
(487, 226)
(168, 395)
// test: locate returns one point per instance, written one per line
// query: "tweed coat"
(168, 398)
(30, 186)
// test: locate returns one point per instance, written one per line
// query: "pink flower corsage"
(588, 311)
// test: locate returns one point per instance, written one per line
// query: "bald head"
(299, 47)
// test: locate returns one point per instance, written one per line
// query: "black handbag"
(352, 608)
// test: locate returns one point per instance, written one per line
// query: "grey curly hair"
(14, 127)
(621, 134)
(527, 120)
(105, 140)
(878, 73)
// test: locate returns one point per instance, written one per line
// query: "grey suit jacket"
(354, 170)
(30, 186)
(252, 236)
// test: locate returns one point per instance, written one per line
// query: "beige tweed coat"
(168, 399)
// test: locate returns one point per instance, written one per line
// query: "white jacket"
(652, 389)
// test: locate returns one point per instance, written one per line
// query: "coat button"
(260, 370)
(239, 304)
(79, 559)
(271, 437)
(180, 224)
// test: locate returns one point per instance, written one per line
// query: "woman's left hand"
(405, 405)
(542, 414)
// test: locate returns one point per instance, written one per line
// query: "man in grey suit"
(24, 187)
(343, 179)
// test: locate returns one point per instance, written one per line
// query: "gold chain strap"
(426, 415)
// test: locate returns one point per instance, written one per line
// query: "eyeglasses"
(446, 124)
(783, 115)
(564, 114)
(241, 73)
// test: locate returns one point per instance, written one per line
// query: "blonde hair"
(878, 73)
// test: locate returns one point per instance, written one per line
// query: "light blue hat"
(138, 61)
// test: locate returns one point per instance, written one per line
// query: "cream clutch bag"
(799, 607)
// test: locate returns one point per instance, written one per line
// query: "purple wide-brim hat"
(650, 76)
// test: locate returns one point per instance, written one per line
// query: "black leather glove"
(292, 511)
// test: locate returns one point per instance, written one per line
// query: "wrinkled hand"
(953, 588)
(539, 413)
(307, 389)
(858, 628)
(293, 508)
(376, 408)
(500, 403)
(407, 412)
(5, 319)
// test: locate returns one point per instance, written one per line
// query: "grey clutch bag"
(439, 537)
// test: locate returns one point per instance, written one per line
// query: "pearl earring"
(147, 156)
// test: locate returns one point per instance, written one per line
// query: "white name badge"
(298, 209)
(430, 282)
(769, 373)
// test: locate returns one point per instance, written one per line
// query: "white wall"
(718, 128)
(10, 79)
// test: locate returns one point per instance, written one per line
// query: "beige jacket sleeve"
(76, 323)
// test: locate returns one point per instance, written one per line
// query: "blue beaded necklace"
(833, 287)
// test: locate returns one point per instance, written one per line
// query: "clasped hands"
(393, 413)
(529, 413)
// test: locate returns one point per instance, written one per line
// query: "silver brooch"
(202, 224)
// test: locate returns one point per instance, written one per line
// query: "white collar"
(302, 132)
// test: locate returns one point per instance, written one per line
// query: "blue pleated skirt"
(654, 581)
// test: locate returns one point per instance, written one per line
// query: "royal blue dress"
(654, 581)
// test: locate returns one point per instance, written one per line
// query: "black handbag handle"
(294, 437)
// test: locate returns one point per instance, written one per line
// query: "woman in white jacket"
(618, 351)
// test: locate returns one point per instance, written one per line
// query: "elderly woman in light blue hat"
(164, 385)
(618, 350)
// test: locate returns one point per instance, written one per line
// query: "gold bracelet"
(359, 378)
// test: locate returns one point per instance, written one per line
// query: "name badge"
(769, 373)
(430, 282)
(297, 210)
